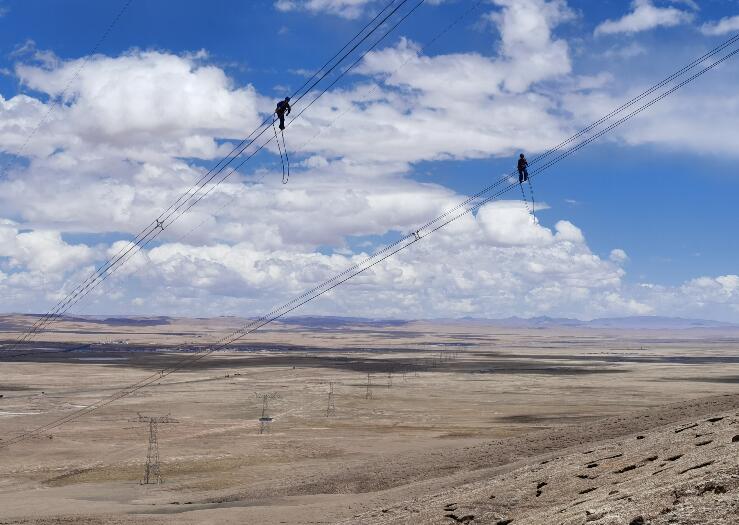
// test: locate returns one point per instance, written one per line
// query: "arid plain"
(426, 417)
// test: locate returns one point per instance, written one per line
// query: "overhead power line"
(436, 224)
(433, 40)
(549, 152)
(194, 194)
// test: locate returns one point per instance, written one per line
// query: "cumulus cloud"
(40, 250)
(114, 148)
(721, 27)
(625, 52)
(485, 270)
(527, 45)
(703, 297)
(35, 264)
(139, 106)
(643, 17)
(343, 8)
(618, 256)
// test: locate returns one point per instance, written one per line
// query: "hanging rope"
(279, 148)
(287, 159)
(533, 203)
(531, 211)
(526, 201)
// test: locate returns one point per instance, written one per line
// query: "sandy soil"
(457, 414)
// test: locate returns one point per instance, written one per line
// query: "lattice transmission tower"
(153, 469)
(331, 406)
(265, 421)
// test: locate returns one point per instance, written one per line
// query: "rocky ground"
(674, 464)
(685, 472)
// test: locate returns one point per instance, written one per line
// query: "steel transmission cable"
(316, 98)
(372, 261)
(428, 229)
(641, 96)
(234, 169)
(152, 227)
(504, 179)
(303, 86)
(153, 230)
(595, 124)
(194, 202)
(161, 224)
(331, 124)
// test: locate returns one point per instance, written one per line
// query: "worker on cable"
(283, 110)
(523, 173)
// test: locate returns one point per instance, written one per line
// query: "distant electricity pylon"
(389, 378)
(265, 420)
(331, 406)
(368, 393)
(153, 471)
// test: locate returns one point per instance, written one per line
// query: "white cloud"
(510, 224)
(645, 16)
(618, 256)
(139, 106)
(703, 297)
(527, 45)
(343, 8)
(38, 250)
(630, 50)
(482, 272)
(721, 27)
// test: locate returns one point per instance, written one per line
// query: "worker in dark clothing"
(283, 110)
(523, 173)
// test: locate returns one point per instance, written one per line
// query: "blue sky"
(660, 190)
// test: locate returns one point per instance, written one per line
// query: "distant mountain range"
(337, 322)
(334, 322)
(121, 320)
(625, 323)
